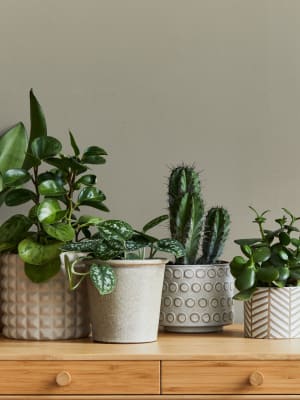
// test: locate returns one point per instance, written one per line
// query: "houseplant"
(267, 277)
(197, 292)
(124, 280)
(35, 300)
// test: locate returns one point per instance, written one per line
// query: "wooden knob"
(256, 378)
(63, 378)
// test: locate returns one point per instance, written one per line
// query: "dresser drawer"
(79, 377)
(240, 377)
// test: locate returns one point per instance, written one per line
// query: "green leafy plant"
(116, 239)
(56, 194)
(270, 260)
(188, 222)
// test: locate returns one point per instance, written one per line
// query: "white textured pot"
(197, 298)
(130, 314)
(273, 313)
(43, 311)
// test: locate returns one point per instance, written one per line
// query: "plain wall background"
(158, 82)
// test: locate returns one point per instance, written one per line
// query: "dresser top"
(229, 345)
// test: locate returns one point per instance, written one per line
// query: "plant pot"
(196, 298)
(273, 313)
(43, 311)
(130, 314)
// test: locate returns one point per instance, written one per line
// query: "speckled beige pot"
(196, 298)
(130, 314)
(44, 311)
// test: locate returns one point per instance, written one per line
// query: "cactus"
(186, 211)
(216, 231)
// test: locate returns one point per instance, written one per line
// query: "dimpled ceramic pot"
(273, 313)
(196, 298)
(43, 311)
(130, 314)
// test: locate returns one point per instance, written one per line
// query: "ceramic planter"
(197, 298)
(130, 314)
(44, 311)
(273, 313)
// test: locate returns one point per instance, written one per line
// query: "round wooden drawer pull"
(63, 378)
(256, 378)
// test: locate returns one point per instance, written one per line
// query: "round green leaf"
(42, 273)
(246, 249)
(60, 231)
(15, 177)
(14, 228)
(283, 255)
(267, 274)
(284, 273)
(49, 211)
(16, 197)
(261, 254)
(246, 279)
(44, 147)
(249, 242)
(236, 266)
(245, 295)
(95, 151)
(35, 253)
(90, 194)
(103, 278)
(87, 180)
(284, 238)
(89, 220)
(51, 188)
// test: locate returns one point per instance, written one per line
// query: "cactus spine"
(216, 232)
(186, 210)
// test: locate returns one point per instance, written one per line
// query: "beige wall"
(157, 82)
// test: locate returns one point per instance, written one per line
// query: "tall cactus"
(186, 210)
(216, 231)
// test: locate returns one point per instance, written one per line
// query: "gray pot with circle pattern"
(41, 311)
(197, 298)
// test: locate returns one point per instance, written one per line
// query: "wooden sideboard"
(208, 366)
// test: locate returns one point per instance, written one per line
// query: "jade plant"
(116, 239)
(270, 260)
(56, 187)
(188, 223)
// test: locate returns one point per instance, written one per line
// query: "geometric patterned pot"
(273, 313)
(41, 311)
(196, 298)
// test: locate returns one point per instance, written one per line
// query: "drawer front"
(240, 377)
(79, 377)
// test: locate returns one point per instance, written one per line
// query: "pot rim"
(133, 263)
(217, 265)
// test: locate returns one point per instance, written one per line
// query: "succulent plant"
(271, 260)
(187, 217)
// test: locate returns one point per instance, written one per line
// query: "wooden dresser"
(211, 367)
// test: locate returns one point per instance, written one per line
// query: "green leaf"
(95, 151)
(96, 204)
(45, 147)
(284, 273)
(295, 242)
(15, 177)
(38, 127)
(246, 279)
(8, 247)
(246, 249)
(154, 222)
(136, 242)
(267, 274)
(237, 265)
(60, 231)
(283, 255)
(90, 194)
(13, 145)
(87, 180)
(1, 183)
(295, 273)
(42, 273)
(49, 211)
(74, 144)
(261, 254)
(284, 238)
(89, 220)
(84, 246)
(171, 246)
(245, 294)
(35, 253)
(103, 278)
(51, 187)
(66, 163)
(115, 230)
(93, 159)
(249, 242)
(14, 228)
(19, 196)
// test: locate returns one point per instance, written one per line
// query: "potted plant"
(124, 280)
(36, 303)
(197, 291)
(267, 277)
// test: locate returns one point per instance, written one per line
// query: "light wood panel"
(229, 345)
(206, 377)
(87, 377)
(156, 397)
